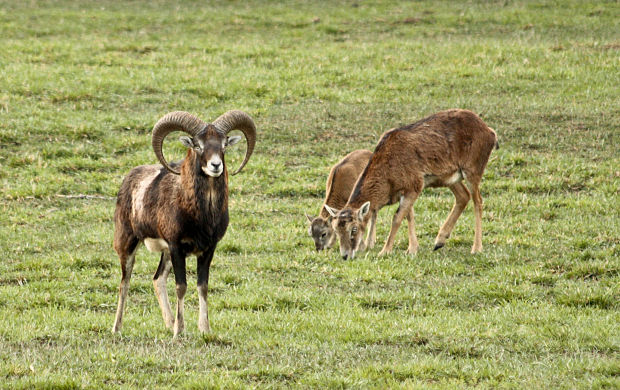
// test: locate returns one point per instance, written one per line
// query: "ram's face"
(209, 147)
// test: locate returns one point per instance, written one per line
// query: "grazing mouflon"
(340, 182)
(438, 151)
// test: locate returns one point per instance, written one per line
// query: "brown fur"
(342, 177)
(437, 151)
(189, 212)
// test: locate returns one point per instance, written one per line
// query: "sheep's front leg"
(127, 258)
(204, 262)
(371, 238)
(159, 282)
(404, 210)
(178, 264)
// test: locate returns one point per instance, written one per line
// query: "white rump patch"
(155, 244)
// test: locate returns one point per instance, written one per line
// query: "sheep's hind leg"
(412, 249)
(477, 198)
(127, 261)
(462, 197)
(159, 282)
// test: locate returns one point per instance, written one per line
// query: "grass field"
(83, 82)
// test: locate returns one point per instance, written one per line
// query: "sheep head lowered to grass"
(340, 182)
(438, 151)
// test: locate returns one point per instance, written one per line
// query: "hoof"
(438, 246)
(476, 249)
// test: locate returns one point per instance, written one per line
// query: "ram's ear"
(233, 140)
(331, 211)
(361, 213)
(186, 141)
(309, 217)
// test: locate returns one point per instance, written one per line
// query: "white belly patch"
(155, 244)
(443, 180)
(455, 178)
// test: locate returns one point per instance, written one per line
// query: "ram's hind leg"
(159, 282)
(127, 255)
(462, 198)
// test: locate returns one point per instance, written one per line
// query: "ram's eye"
(323, 235)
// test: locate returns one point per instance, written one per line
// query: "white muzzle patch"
(214, 167)
(347, 254)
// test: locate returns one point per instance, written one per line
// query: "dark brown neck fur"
(204, 201)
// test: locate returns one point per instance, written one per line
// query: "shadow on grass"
(217, 340)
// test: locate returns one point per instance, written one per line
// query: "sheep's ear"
(332, 212)
(309, 217)
(233, 140)
(186, 141)
(361, 213)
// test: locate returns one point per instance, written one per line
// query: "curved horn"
(238, 120)
(174, 121)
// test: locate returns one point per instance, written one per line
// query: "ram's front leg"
(178, 264)
(204, 262)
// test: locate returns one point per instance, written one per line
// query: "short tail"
(496, 141)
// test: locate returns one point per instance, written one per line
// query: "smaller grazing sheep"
(438, 151)
(340, 182)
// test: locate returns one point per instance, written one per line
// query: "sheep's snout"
(214, 167)
(347, 254)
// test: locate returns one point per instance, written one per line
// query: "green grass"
(82, 83)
